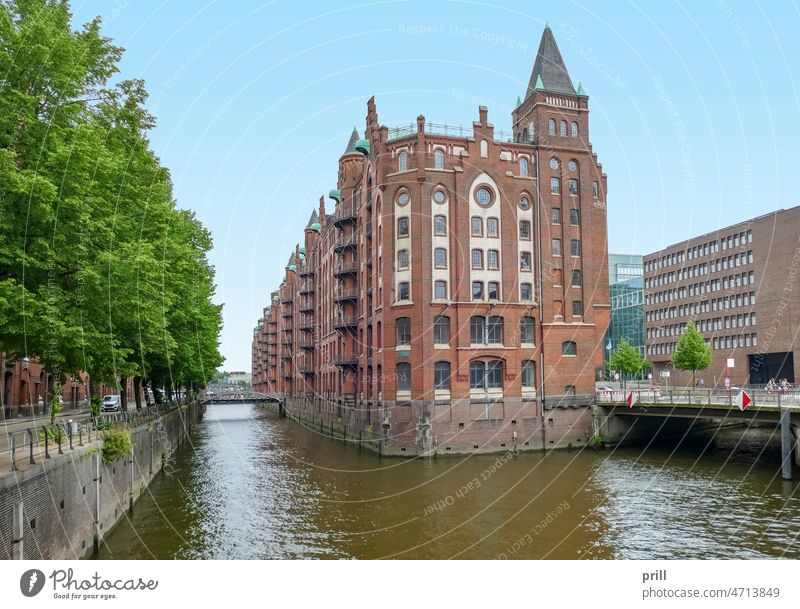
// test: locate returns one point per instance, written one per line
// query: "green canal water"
(252, 485)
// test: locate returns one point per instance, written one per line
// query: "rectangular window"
(402, 260)
(402, 227)
(525, 261)
(576, 278)
(573, 186)
(595, 189)
(525, 230)
(527, 374)
(477, 290)
(555, 245)
(477, 226)
(477, 259)
(525, 292)
(440, 289)
(493, 290)
(403, 291)
(440, 258)
(575, 247)
(574, 217)
(494, 374)
(439, 225)
(476, 376)
(494, 330)
(493, 260)
(577, 308)
(441, 375)
(492, 227)
(441, 330)
(555, 186)
(555, 215)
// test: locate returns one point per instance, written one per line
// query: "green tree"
(626, 359)
(691, 352)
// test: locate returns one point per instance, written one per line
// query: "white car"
(111, 403)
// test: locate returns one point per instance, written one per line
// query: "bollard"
(30, 445)
(18, 532)
(70, 437)
(46, 444)
(80, 436)
(786, 444)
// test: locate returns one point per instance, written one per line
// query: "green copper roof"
(539, 84)
(335, 195)
(293, 268)
(518, 101)
(580, 89)
(302, 250)
(316, 226)
(363, 147)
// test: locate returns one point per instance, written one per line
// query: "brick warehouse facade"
(740, 286)
(456, 299)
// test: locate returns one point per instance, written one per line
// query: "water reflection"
(250, 485)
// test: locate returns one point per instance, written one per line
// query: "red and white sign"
(629, 400)
(743, 400)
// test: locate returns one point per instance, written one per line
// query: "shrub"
(116, 444)
(95, 405)
(53, 433)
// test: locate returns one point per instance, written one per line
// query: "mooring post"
(97, 481)
(18, 532)
(13, 452)
(786, 444)
(30, 446)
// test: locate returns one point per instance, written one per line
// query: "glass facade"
(626, 292)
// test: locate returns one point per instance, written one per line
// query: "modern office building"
(456, 298)
(740, 286)
(626, 292)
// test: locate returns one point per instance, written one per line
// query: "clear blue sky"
(695, 109)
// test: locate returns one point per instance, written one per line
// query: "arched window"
(441, 330)
(574, 129)
(404, 376)
(441, 376)
(477, 326)
(551, 126)
(528, 380)
(526, 330)
(403, 327)
(477, 258)
(486, 375)
(403, 291)
(563, 130)
(402, 226)
(477, 226)
(402, 260)
(568, 347)
(494, 329)
(523, 167)
(438, 158)
(402, 161)
(524, 135)
(484, 148)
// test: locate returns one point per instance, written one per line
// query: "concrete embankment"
(60, 508)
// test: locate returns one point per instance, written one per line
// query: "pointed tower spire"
(519, 101)
(549, 72)
(313, 219)
(351, 145)
(580, 89)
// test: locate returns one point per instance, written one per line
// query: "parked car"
(111, 403)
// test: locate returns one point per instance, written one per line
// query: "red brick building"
(455, 298)
(740, 287)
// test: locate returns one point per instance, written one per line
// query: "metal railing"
(42, 441)
(700, 397)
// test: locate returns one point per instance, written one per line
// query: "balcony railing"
(287, 313)
(307, 325)
(306, 271)
(343, 243)
(345, 360)
(306, 287)
(306, 305)
(349, 321)
(343, 216)
(346, 268)
(287, 299)
(306, 343)
(306, 369)
(341, 295)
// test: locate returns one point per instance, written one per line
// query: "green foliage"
(116, 444)
(627, 359)
(53, 433)
(597, 441)
(96, 405)
(691, 352)
(99, 270)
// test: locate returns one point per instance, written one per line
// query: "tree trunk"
(137, 394)
(123, 393)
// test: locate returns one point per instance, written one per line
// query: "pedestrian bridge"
(238, 396)
(654, 410)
